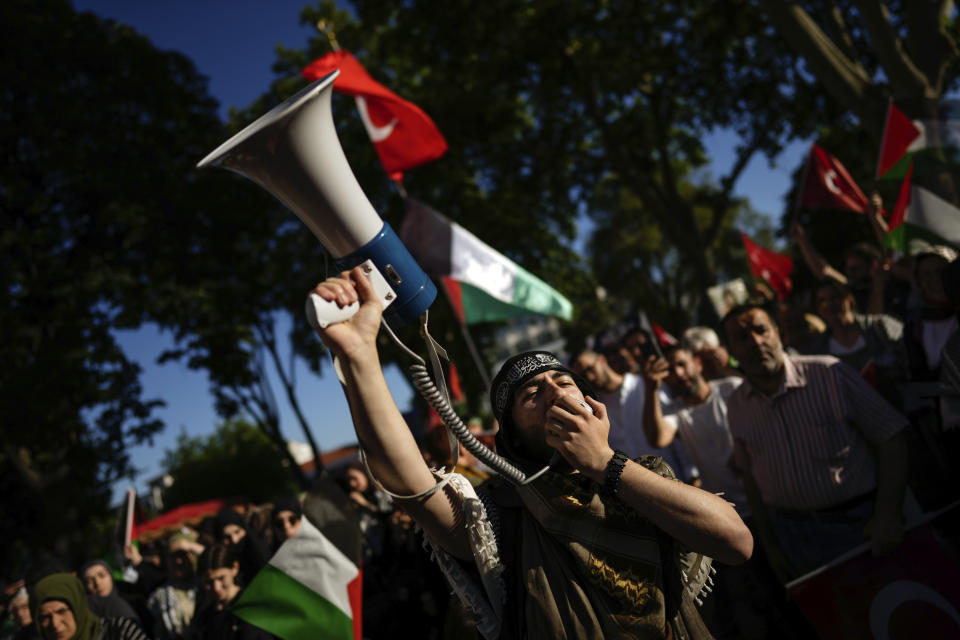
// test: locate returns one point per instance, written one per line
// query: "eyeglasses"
(279, 522)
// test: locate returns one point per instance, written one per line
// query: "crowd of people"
(180, 587)
(773, 442)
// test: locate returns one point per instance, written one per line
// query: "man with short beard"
(748, 603)
(823, 455)
(624, 396)
(698, 418)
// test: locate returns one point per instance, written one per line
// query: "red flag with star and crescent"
(911, 593)
(403, 135)
(828, 185)
(773, 267)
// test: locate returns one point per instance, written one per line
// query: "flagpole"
(471, 346)
(326, 29)
(803, 186)
(883, 137)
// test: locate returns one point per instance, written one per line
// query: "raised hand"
(580, 434)
(356, 336)
(655, 371)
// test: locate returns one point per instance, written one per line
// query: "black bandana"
(514, 372)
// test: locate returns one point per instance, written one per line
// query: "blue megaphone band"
(415, 291)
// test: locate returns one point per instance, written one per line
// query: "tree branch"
(648, 190)
(254, 408)
(905, 78)
(677, 212)
(270, 344)
(836, 28)
(932, 47)
(270, 426)
(721, 206)
(844, 78)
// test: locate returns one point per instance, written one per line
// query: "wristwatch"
(611, 480)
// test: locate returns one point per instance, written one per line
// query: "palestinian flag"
(899, 135)
(926, 156)
(483, 285)
(312, 586)
(921, 218)
(930, 145)
(664, 337)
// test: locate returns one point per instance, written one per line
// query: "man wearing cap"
(584, 551)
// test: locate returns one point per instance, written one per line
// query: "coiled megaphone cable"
(428, 391)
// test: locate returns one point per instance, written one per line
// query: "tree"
(868, 51)
(861, 55)
(218, 466)
(89, 167)
(554, 112)
(105, 225)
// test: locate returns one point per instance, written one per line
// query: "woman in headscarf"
(248, 548)
(104, 599)
(219, 574)
(285, 519)
(930, 326)
(59, 609)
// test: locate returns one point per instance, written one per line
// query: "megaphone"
(293, 152)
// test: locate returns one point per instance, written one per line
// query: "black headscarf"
(251, 551)
(225, 517)
(514, 372)
(110, 605)
(286, 504)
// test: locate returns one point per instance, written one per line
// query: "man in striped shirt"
(823, 455)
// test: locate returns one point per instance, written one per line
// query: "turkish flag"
(773, 267)
(403, 135)
(911, 594)
(827, 184)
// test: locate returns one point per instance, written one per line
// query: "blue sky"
(233, 44)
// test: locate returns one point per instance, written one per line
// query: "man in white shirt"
(624, 395)
(698, 417)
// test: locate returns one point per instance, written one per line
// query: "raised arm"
(817, 264)
(696, 518)
(875, 216)
(392, 452)
(660, 432)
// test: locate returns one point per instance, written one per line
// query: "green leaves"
(218, 466)
(100, 132)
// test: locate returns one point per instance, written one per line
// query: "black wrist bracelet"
(611, 480)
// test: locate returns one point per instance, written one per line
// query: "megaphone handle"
(322, 313)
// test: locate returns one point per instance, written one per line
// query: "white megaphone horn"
(293, 152)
